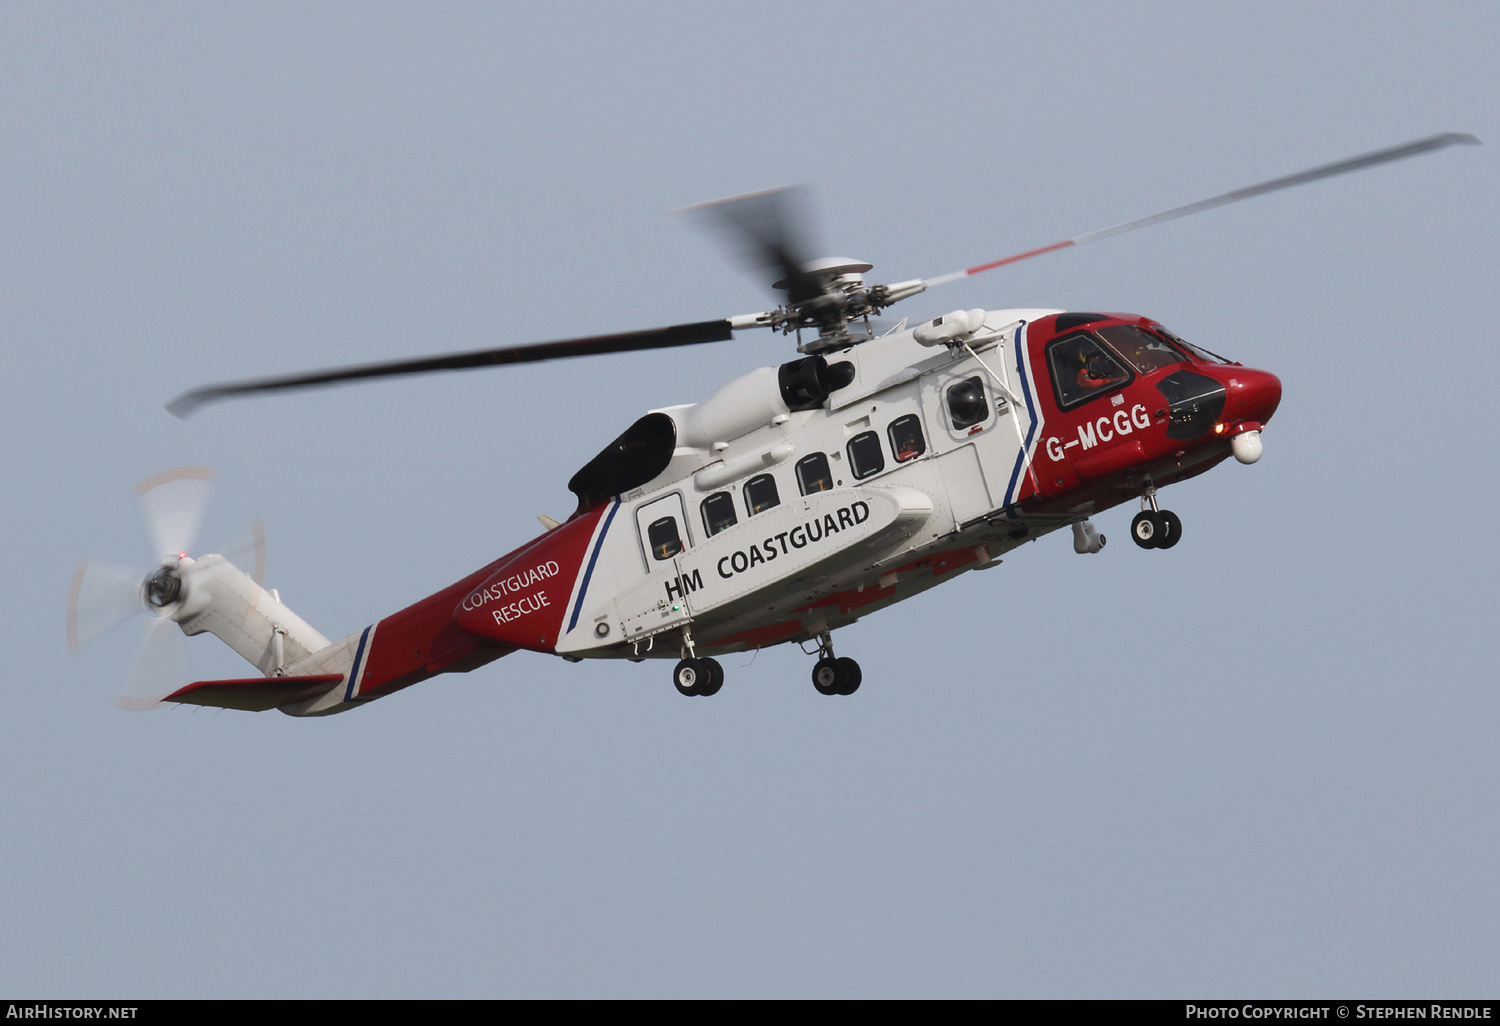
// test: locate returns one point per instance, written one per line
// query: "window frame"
(854, 463)
(1098, 393)
(827, 472)
(990, 406)
(775, 493)
(677, 533)
(916, 420)
(1182, 358)
(708, 526)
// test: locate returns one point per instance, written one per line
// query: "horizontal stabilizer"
(254, 694)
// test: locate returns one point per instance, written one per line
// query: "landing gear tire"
(715, 676)
(1174, 529)
(852, 675)
(693, 677)
(1149, 529)
(836, 676)
(828, 676)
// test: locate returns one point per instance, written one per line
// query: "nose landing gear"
(1155, 528)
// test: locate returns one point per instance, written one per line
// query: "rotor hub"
(162, 588)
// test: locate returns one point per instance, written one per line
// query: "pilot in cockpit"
(1098, 371)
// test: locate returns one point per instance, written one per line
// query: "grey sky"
(1261, 763)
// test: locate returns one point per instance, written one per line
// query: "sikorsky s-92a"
(793, 501)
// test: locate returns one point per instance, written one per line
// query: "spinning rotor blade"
(172, 505)
(630, 341)
(103, 596)
(162, 667)
(1411, 149)
(248, 552)
(772, 229)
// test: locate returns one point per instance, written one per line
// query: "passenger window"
(967, 404)
(718, 512)
(865, 457)
(1081, 370)
(907, 442)
(664, 539)
(760, 494)
(813, 474)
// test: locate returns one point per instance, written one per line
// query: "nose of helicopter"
(1253, 395)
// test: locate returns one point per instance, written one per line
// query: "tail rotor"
(105, 595)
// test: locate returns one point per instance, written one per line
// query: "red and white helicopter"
(791, 502)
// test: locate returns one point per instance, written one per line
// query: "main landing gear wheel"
(836, 676)
(1156, 530)
(1174, 529)
(715, 676)
(698, 677)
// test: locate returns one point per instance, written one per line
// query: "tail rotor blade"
(248, 551)
(161, 669)
(172, 506)
(258, 531)
(102, 597)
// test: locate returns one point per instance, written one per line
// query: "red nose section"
(1253, 395)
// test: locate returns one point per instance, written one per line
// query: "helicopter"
(793, 501)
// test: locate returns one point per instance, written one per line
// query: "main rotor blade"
(772, 229)
(1411, 149)
(630, 341)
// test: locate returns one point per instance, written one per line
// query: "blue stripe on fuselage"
(359, 657)
(1010, 491)
(589, 571)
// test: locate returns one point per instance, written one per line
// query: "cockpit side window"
(1083, 369)
(718, 513)
(1141, 349)
(760, 494)
(813, 474)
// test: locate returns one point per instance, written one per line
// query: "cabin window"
(1142, 350)
(865, 456)
(718, 513)
(813, 474)
(665, 541)
(967, 404)
(760, 494)
(907, 442)
(1082, 369)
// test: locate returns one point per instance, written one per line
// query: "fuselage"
(769, 518)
